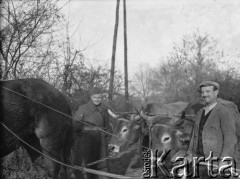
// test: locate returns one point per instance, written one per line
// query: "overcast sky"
(153, 26)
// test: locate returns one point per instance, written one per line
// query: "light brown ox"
(127, 140)
(169, 134)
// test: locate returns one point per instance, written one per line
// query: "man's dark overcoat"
(90, 143)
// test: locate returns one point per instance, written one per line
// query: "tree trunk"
(113, 53)
(125, 56)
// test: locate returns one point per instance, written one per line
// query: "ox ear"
(183, 137)
(114, 116)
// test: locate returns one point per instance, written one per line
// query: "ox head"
(128, 130)
(169, 133)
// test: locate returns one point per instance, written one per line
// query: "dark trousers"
(87, 149)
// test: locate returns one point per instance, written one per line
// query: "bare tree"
(25, 26)
(141, 84)
(73, 60)
(1, 40)
(111, 83)
(190, 62)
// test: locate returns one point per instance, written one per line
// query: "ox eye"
(124, 130)
(165, 138)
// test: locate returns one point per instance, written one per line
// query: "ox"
(171, 134)
(129, 136)
(41, 127)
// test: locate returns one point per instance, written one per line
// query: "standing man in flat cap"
(214, 129)
(90, 143)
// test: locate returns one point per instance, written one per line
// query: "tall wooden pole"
(125, 56)
(110, 96)
(1, 41)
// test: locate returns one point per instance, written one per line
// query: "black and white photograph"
(119, 89)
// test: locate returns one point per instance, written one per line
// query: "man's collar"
(93, 107)
(210, 107)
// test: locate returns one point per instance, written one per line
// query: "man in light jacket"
(215, 128)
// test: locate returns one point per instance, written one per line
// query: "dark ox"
(128, 140)
(153, 109)
(41, 127)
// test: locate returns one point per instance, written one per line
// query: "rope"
(69, 117)
(108, 157)
(103, 159)
(80, 167)
(120, 153)
(73, 167)
(69, 166)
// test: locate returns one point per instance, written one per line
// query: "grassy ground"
(17, 165)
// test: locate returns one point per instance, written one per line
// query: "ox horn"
(145, 117)
(134, 117)
(138, 116)
(138, 113)
(114, 116)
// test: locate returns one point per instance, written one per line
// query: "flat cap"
(95, 90)
(208, 83)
